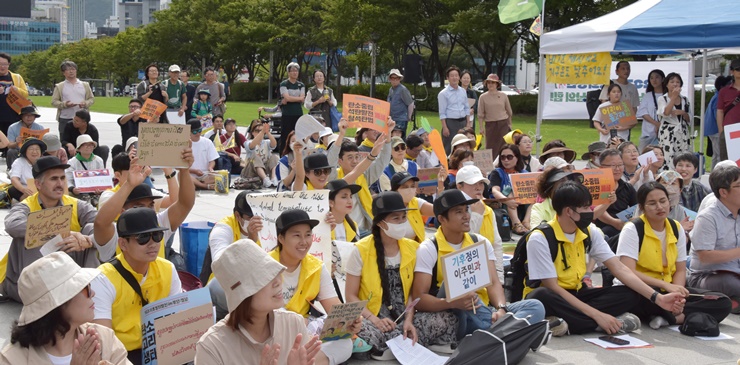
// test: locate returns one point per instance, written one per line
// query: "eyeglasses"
(507, 157)
(319, 172)
(4, 64)
(144, 238)
(196, 131)
(400, 147)
(614, 167)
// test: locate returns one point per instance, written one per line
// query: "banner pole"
(542, 81)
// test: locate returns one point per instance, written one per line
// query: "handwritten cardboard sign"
(90, 181)
(337, 324)
(483, 160)
(31, 133)
(582, 68)
(366, 112)
(618, 114)
(268, 206)
(47, 223)
(427, 180)
(152, 109)
(465, 271)
(161, 145)
(16, 100)
(600, 183)
(179, 334)
(524, 186)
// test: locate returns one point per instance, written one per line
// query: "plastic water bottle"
(505, 221)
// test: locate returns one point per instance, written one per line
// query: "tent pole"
(541, 84)
(703, 106)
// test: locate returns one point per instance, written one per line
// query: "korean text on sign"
(465, 271)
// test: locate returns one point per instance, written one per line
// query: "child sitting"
(693, 192)
(84, 160)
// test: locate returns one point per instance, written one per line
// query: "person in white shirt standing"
(70, 95)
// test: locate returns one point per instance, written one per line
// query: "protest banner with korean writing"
(161, 145)
(337, 324)
(618, 114)
(152, 109)
(582, 68)
(16, 100)
(366, 112)
(524, 187)
(427, 180)
(600, 183)
(47, 223)
(483, 160)
(269, 206)
(465, 271)
(31, 133)
(90, 181)
(181, 333)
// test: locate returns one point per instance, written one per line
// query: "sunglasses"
(319, 172)
(196, 131)
(143, 238)
(507, 157)
(89, 291)
(400, 147)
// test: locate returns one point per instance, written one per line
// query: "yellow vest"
(650, 257)
(236, 232)
(348, 232)
(444, 249)
(488, 229)
(309, 283)
(367, 143)
(370, 287)
(126, 308)
(366, 199)
(575, 253)
(415, 219)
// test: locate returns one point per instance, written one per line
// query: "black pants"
(15, 193)
(613, 301)
(287, 125)
(717, 308)
(453, 125)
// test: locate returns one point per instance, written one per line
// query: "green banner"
(510, 11)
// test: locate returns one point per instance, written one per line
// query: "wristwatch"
(174, 172)
(504, 307)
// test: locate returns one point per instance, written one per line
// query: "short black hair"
(5, 56)
(83, 114)
(672, 75)
(347, 146)
(686, 156)
(229, 121)
(646, 189)
(217, 116)
(135, 100)
(121, 162)
(413, 141)
(570, 194)
(620, 64)
(722, 178)
(209, 69)
(453, 68)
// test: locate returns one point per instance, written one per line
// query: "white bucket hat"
(395, 72)
(131, 141)
(85, 138)
(556, 162)
(470, 175)
(243, 269)
(49, 282)
(460, 139)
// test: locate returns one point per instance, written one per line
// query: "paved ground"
(669, 347)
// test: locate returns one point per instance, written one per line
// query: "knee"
(540, 294)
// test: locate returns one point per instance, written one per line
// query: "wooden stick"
(473, 301)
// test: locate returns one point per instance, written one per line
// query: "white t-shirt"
(220, 238)
(540, 259)
(355, 264)
(649, 106)
(629, 93)
(426, 255)
(203, 152)
(60, 360)
(340, 234)
(628, 241)
(604, 120)
(290, 283)
(21, 169)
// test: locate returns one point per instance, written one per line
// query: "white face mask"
(245, 225)
(395, 231)
(674, 195)
(407, 194)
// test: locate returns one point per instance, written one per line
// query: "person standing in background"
(629, 90)
(402, 104)
(494, 113)
(189, 91)
(293, 93)
(465, 80)
(453, 108)
(216, 90)
(9, 80)
(727, 114)
(70, 95)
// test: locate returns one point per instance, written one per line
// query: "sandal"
(359, 345)
(519, 229)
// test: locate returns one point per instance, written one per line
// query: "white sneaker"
(267, 183)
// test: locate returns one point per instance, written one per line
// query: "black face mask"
(585, 220)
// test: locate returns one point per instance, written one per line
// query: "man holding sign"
(29, 115)
(50, 181)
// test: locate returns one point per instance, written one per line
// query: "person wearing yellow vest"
(452, 211)
(381, 270)
(9, 81)
(134, 193)
(405, 184)
(50, 180)
(305, 278)
(560, 288)
(660, 261)
(118, 304)
(121, 163)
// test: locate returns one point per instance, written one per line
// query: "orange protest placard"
(365, 112)
(152, 109)
(435, 139)
(524, 187)
(600, 183)
(16, 100)
(30, 133)
(619, 114)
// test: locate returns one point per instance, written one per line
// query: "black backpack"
(519, 268)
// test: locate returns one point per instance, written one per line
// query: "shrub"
(248, 91)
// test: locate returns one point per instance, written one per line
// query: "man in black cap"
(452, 210)
(29, 114)
(121, 163)
(205, 156)
(119, 292)
(51, 184)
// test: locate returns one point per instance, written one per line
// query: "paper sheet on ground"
(417, 354)
(634, 343)
(722, 336)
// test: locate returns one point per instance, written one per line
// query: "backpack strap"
(129, 279)
(640, 227)
(433, 288)
(556, 244)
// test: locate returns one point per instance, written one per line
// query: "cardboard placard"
(90, 181)
(152, 109)
(427, 180)
(483, 160)
(582, 68)
(178, 333)
(47, 223)
(366, 112)
(600, 183)
(618, 114)
(435, 139)
(337, 324)
(16, 100)
(525, 187)
(732, 136)
(30, 133)
(161, 145)
(465, 271)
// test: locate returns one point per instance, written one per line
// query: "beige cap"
(460, 139)
(85, 138)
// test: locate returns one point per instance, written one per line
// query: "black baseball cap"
(241, 206)
(142, 191)
(700, 324)
(335, 186)
(194, 124)
(316, 161)
(400, 178)
(388, 202)
(47, 163)
(138, 220)
(290, 218)
(449, 199)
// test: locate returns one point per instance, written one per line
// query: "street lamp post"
(373, 53)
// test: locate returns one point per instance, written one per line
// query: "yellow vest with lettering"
(444, 249)
(370, 287)
(650, 257)
(309, 283)
(366, 199)
(415, 219)
(126, 308)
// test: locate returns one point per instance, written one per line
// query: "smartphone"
(614, 340)
(613, 133)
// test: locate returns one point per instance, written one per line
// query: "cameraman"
(150, 88)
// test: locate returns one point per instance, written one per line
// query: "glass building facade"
(20, 36)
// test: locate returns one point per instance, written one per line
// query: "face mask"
(468, 163)
(674, 195)
(407, 194)
(585, 220)
(395, 231)
(245, 225)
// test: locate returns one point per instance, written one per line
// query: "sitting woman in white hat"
(54, 327)
(256, 331)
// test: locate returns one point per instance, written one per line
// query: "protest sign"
(47, 223)
(619, 114)
(524, 187)
(90, 181)
(691, 214)
(337, 324)
(465, 271)
(268, 206)
(732, 136)
(483, 160)
(585, 68)
(173, 117)
(31, 133)
(152, 109)
(536, 27)
(178, 333)
(16, 100)
(435, 139)
(366, 112)
(649, 155)
(427, 181)
(600, 183)
(627, 214)
(183, 336)
(161, 145)
(306, 126)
